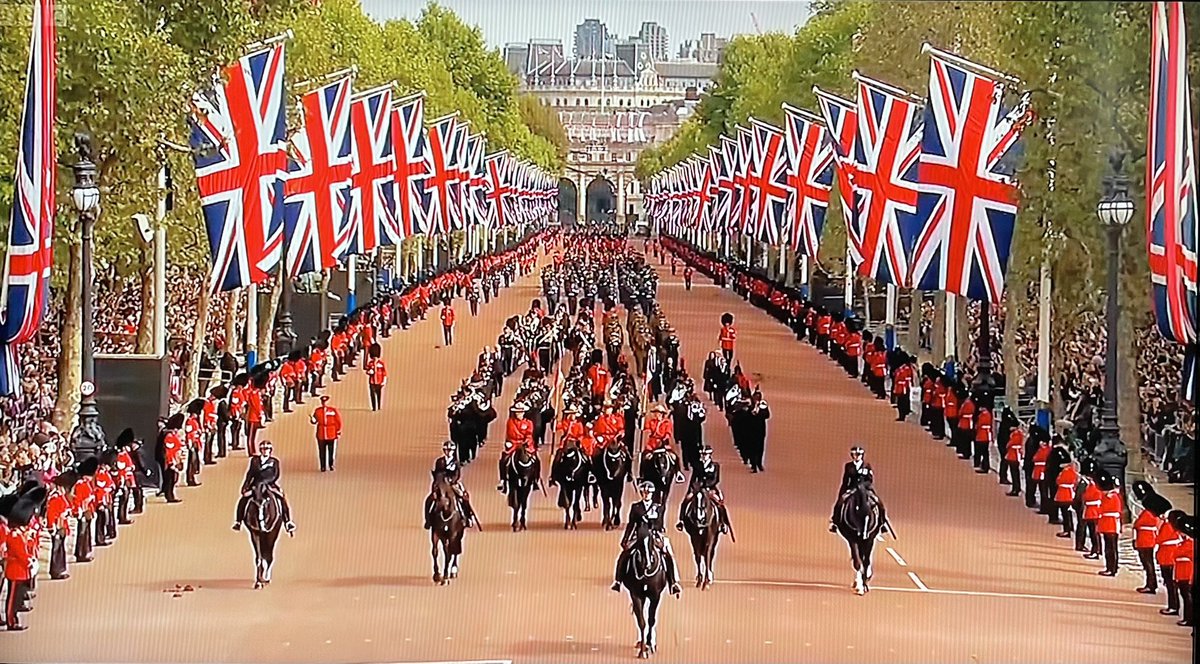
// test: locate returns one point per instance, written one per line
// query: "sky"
(505, 21)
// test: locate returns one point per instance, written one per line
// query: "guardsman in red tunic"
(170, 455)
(1040, 459)
(58, 521)
(287, 375)
(1064, 498)
(238, 396)
(1014, 457)
(193, 437)
(853, 341)
(376, 376)
(1089, 519)
(928, 389)
(338, 346)
(1185, 563)
(985, 434)
(103, 486)
(385, 318)
(518, 433)
(902, 388)
(964, 433)
(1168, 540)
(20, 559)
(329, 429)
(318, 358)
(687, 277)
(878, 365)
(1145, 531)
(1109, 526)
(447, 317)
(727, 337)
(254, 415)
(127, 484)
(209, 421)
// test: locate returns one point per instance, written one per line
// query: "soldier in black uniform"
(647, 514)
(447, 467)
(756, 430)
(706, 476)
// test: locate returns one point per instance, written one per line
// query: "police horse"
(702, 522)
(447, 529)
(645, 579)
(859, 518)
(611, 469)
(520, 474)
(570, 472)
(263, 521)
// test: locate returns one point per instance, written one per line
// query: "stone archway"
(568, 201)
(601, 200)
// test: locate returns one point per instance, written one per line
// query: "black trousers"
(210, 439)
(903, 406)
(448, 334)
(1066, 512)
(1086, 533)
(1110, 551)
(937, 423)
(1188, 594)
(83, 539)
(193, 467)
(1172, 588)
(474, 307)
(1011, 471)
(982, 457)
(1031, 490)
(139, 499)
(170, 479)
(111, 525)
(58, 553)
(18, 595)
(235, 433)
(376, 396)
(962, 441)
(337, 366)
(1146, 558)
(101, 530)
(727, 353)
(325, 453)
(222, 442)
(121, 503)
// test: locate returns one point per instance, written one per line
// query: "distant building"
(654, 37)
(591, 39)
(710, 48)
(681, 75)
(516, 56)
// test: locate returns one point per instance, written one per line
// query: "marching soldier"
(376, 376)
(902, 383)
(447, 317)
(329, 429)
(727, 337)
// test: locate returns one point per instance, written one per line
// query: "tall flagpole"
(848, 292)
(160, 267)
(804, 276)
(351, 282)
(251, 325)
(890, 317)
(951, 327)
(1043, 361)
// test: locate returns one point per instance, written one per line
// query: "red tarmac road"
(975, 577)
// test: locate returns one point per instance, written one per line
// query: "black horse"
(645, 578)
(448, 526)
(263, 521)
(702, 522)
(661, 468)
(520, 474)
(611, 468)
(570, 472)
(860, 517)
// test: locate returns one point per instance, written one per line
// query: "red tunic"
(1145, 528)
(519, 431)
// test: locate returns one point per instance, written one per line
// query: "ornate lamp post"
(88, 437)
(1115, 210)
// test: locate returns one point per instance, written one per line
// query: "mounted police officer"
(264, 471)
(647, 514)
(706, 477)
(855, 471)
(448, 468)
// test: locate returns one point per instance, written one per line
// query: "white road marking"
(896, 557)
(917, 580)
(931, 591)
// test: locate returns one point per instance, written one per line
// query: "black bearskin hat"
(1105, 481)
(259, 379)
(240, 380)
(22, 512)
(88, 466)
(125, 439)
(108, 456)
(1184, 523)
(66, 479)
(1038, 433)
(175, 422)
(726, 318)
(1088, 467)
(219, 392)
(295, 355)
(375, 351)
(195, 407)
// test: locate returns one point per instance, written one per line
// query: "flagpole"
(251, 326)
(269, 41)
(928, 48)
(160, 267)
(889, 333)
(351, 281)
(951, 329)
(804, 276)
(848, 291)
(1043, 360)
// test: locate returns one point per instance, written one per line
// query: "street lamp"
(1115, 210)
(88, 437)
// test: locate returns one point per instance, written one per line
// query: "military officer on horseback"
(856, 470)
(447, 468)
(649, 515)
(706, 477)
(263, 475)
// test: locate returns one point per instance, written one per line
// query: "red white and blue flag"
(239, 140)
(473, 201)
(731, 151)
(741, 180)
(497, 189)
(317, 189)
(810, 178)
(1171, 179)
(25, 289)
(440, 157)
(722, 182)
(887, 154)
(769, 181)
(373, 218)
(841, 122)
(967, 207)
(460, 178)
(408, 127)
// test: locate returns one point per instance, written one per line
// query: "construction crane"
(754, 19)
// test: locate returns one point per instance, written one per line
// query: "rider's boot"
(673, 575)
(428, 509)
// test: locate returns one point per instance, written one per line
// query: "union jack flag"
(459, 178)
(887, 154)
(741, 180)
(474, 203)
(720, 183)
(239, 140)
(1171, 177)
(769, 182)
(373, 211)
(731, 152)
(841, 123)
(440, 158)
(26, 284)
(496, 189)
(967, 207)
(810, 178)
(317, 189)
(408, 118)
(706, 192)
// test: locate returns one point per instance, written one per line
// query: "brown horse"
(448, 527)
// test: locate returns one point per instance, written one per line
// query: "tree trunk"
(70, 359)
(1129, 414)
(266, 320)
(1010, 352)
(233, 342)
(193, 367)
(939, 327)
(145, 329)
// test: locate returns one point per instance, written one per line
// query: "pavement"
(974, 576)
